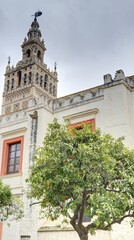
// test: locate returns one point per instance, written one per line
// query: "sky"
(87, 38)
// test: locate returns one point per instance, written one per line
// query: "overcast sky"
(87, 38)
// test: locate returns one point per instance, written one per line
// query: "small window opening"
(39, 54)
(40, 81)
(30, 77)
(45, 81)
(19, 78)
(12, 85)
(25, 79)
(28, 53)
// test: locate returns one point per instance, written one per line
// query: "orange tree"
(10, 206)
(82, 172)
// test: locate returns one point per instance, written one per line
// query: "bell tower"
(30, 89)
(30, 78)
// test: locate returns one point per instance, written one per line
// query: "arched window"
(28, 53)
(45, 81)
(25, 79)
(19, 78)
(46, 77)
(30, 77)
(40, 81)
(37, 77)
(12, 84)
(39, 54)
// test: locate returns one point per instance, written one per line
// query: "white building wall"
(15, 181)
(70, 234)
(117, 112)
(122, 231)
(113, 110)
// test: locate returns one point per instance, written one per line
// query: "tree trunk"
(81, 230)
(84, 237)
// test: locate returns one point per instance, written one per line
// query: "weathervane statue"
(37, 14)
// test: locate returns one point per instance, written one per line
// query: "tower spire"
(55, 67)
(33, 46)
(9, 59)
(37, 14)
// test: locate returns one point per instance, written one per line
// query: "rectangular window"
(12, 156)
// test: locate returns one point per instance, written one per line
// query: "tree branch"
(34, 203)
(116, 191)
(119, 220)
(80, 220)
(105, 228)
(75, 216)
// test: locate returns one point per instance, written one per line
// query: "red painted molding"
(79, 124)
(1, 231)
(5, 153)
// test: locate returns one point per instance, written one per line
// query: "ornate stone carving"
(24, 104)
(7, 109)
(78, 98)
(16, 106)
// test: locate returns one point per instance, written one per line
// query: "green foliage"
(79, 172)
(10, 206)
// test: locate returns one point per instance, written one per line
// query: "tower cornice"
(34, 41)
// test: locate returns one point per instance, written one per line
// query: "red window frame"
(14, 157)
(79, 124)
(5, 155)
